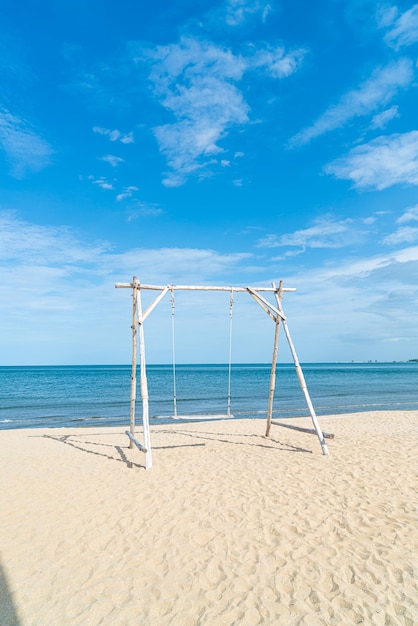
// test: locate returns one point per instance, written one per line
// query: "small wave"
(88, 419)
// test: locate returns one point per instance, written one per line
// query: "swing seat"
(205, 416)
(199, 417)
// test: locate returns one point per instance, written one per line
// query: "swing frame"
(138, 318)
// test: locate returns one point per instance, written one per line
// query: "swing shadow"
(284, 447)
(121, 456)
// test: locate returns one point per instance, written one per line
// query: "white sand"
(227, 528)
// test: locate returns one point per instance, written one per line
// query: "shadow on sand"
(114, 453)
(233, 438)
(86, 443)
(8, 615)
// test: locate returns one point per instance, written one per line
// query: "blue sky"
(221, 143)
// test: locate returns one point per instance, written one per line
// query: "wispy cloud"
(144, 209)
(326, 232)
(276, 61)
(112, 159)
(52, 277)
(366, 266)
(25, 244)
(24, 149)
(128, 192)
(371, 95)
(381, 163)
(238, 12)
(197, 81)
(358, 293)
(381, 120)
(114, 135)
(101, 182)
(410, 215)
(404, 234)
(386, 14)
(402, 29)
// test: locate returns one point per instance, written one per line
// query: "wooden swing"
(275, 312)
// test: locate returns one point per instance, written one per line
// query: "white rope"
(173, 351)
(231, 303)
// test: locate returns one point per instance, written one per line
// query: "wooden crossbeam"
(199, 288)
(136, 442)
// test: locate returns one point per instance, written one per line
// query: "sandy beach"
(227, 528)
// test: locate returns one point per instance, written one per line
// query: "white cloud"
(381, 163)
(24, 149)
(356, 295)
(24, 243)
(405, 234)
(58, 301)
(151, 211)
(101, 182)
(114, 135)
(276, 62)
(112, 160)
(325, 233)
(404, 29)
(410, 215)
(143, 209)
(386, 15)
(372, 94)
(240, 11)
(289, 254)
(197, 81)
(129, 138)
(381, 120)
(367, 266)
(57, 294)
(187, 144)
(128, 192)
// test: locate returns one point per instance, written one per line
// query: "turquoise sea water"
(32, 397)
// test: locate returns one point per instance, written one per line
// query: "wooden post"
(144, 387)
(302, 379)
(134, 358)
(273, 376)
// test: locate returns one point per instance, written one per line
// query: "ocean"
(37, 396)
